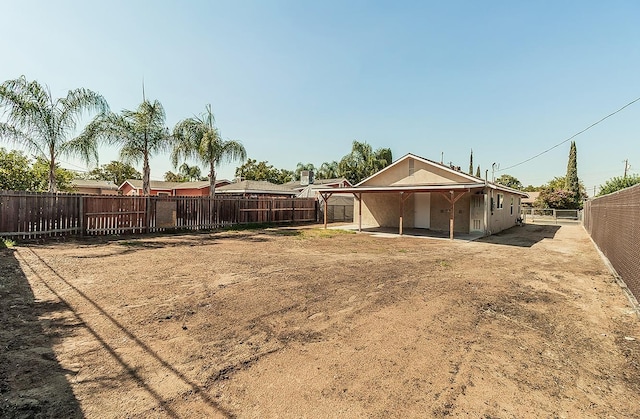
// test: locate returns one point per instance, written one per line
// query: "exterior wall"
(96, 191)
(440, 208)
(128, 190)
(502, 219)
(382, 210)
(423, 174)
(191, 192)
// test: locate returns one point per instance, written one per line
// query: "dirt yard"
(308, 323)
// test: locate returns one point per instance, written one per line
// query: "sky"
(299, 81)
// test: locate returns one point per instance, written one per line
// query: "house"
(94, 187)
(256, 188)
(420, 193)
(300, 185)
(133, 187)
(530, 200)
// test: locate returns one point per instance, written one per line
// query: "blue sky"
(298, 81)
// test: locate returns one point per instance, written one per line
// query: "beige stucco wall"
(501, 219)
(424, 174)
(440, 213)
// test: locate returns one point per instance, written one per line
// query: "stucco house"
(414, 192)
(133, 187)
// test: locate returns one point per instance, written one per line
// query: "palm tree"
(141, 134)
(363, 162)
(328, 170)
(190, 172)
(44, 125)
(300, 167)
(198, 138)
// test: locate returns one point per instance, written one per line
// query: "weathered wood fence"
(33, 215)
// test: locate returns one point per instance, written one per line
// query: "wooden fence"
(34, 215)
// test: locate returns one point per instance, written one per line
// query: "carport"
(451, 192)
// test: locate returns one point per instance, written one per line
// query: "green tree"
(141, 134)
(328, 170)
(115, 171)
(191, 173)
(554, 195)
(471, 163)
(174, 177)
(15, 171)
(509, 181)
(617, 183)
(478, 174)
(40, 173)
(363, 162)
(44, 125)
(253, 170)
(198, 138)
(571, 179)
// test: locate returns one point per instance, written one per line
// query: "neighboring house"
(299, 185)
(94, 187)
(256, 188)
(530, 201)
(419, 193)
(133, 187)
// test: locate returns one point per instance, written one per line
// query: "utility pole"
(626, 167)
(493, 172)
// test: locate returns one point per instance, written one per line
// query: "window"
(411, 167)
(511, 205)
(500, 201)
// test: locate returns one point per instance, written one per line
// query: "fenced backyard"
(613, 221)
(27, 215)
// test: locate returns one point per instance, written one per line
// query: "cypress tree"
(478, 171)
(571, 180)
(471, 163)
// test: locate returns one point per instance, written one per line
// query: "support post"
(359, 212)
(325, 197)
(401, 211)
(452, 198)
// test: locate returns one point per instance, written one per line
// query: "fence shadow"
(32, 382)
(522, 236)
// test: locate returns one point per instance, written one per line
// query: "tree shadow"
(522, 236)
(128, 370)
(32, 382)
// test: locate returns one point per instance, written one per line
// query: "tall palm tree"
(44, 125)
(141, 134)
(198, 138)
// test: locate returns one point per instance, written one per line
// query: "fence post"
(555, 215)
(293, 210)
(81, 214)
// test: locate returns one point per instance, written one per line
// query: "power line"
(570, 138)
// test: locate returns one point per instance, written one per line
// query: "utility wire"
(570, 138)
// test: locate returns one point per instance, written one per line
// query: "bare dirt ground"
(307, 323)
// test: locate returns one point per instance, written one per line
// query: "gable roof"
(471, 182)
(169, 186)
(255, 186)
(423, 160)
(86, 183)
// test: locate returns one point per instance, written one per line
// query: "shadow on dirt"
(522, 236)
(128, 369)
(32, 382)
